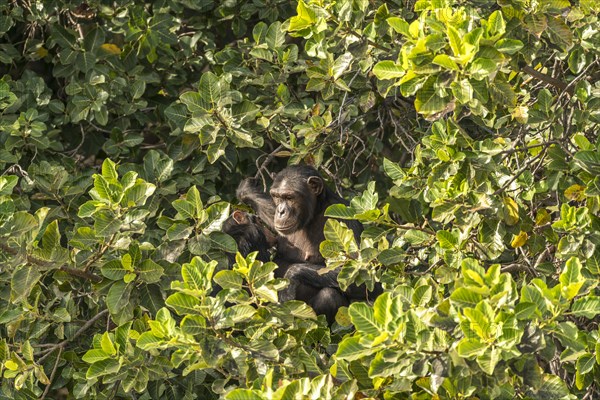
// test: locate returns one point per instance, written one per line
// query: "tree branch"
(548, 79)
(61, 345)
(46, 264)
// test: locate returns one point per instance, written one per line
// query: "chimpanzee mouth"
(286, 228)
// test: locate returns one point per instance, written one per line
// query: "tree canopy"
(465, 133)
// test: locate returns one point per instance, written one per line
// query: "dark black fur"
(249, 236)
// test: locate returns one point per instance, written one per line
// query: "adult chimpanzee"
(321, 292)
(296, 208)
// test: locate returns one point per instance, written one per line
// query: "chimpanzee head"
(249, 235)
(296, 192)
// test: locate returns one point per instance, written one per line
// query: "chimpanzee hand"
(247, 188)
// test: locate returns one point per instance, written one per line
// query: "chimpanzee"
(296, 208)
(321, 292)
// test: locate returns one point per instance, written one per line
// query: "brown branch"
(263, 166)
(47, 264)
(98, 255)
(81, 274)
(525, 167)
(515, 267)
(47, 389)
(61, 345)
(565, 88)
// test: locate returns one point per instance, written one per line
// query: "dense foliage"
(465, 132)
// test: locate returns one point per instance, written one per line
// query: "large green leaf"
(363, 319)
(118, 297)
(22, 282)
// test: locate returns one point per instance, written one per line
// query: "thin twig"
(264, 165)
(521, 170)
(47, 389)
(342, 107)
(60, 345)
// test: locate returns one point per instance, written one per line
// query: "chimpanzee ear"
(240, 217)
(315, 184)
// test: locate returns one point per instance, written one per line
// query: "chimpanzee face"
(295, 201)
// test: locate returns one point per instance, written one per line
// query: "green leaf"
(482, 68)
(228, 279)
(524, 310)
(470, 348)
(243, 394)
(275, 37)
(447, 240)
(465, 298)
(388, 69)
(304, 19)
(118, 297)
(495, 24)
(588, 161)
(363, 319)
(222, 241)
(107, 345)
(508, 46)
(183, 303)
(196, 273)
(422, 295)
(109, 169)
(560, 34)
(106, 224)
(429, 101)
(244, 111)
(454, 38)
(103, 367)
(571, 279)
(445, 61)
(210, 90)
(585, 363)
(150, 272)
(416, 237)
(393, 170)
(148, 341)
(22, 282)
(93, 39)
(195, 103)
(392, 256)
(21, 223)
(489, 359)
(341, 64)
(137, 89)
(193, 324)
(95, 355)
(113, 270)
(399, 25)
(587, 307)
(552, 387)
(7, 184)
(239, 313)
(351, 349)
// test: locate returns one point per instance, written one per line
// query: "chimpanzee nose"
(281, 211)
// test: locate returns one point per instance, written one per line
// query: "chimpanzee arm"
(250, 192)
(328, 301)
(306, 276)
